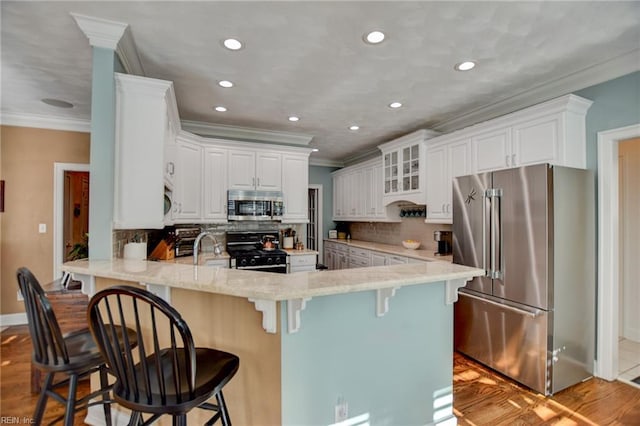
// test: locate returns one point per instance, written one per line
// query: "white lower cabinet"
(343, 256)
(302, 262)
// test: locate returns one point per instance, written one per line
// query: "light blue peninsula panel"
(390, 370)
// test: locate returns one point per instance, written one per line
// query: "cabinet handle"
(258, 181)
(506, 160)
(253, 181)
(170, 168)
(513, 159)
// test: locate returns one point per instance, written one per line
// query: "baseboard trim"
(7, 320)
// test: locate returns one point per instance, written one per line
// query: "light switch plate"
(42, 228)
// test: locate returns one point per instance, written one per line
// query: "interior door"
(524, 234)
(470, 226)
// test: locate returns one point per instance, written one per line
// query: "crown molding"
(323, 162)
(111, 35)
(245, 133)
(45, 122)
(599, 73)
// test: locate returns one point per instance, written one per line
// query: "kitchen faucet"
(196, 245)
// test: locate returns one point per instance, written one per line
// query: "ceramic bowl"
(411, 244)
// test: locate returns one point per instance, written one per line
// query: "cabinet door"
(295, 188)
(377, 191)
(337, 194)
(411, 168)
(492, 151)
(378, 259)
(396, 260)
(188, 191)
(242, 169)
(268, 171)
(537, 141)
(391, 172)
(437, 178)
(369, 190)
(215, 184)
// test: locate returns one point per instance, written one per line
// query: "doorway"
(314, 227)
(70, 210)
(629, 269)
(75, 220)
(607, 362)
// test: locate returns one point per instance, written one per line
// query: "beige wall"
(27, 156)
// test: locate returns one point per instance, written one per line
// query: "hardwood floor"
(481, 397)
(17, 403)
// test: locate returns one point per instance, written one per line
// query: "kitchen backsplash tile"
(411, 228)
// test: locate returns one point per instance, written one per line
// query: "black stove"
(247, 251)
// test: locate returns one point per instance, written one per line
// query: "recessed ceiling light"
(354, 127)
(395, 105)
(315, 150)
(465, 66)
(57, 103)
(374, 37)
(225, 83)
(220, 109)
(232, 44)
(294, 118)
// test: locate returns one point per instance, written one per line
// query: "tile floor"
(628, 361)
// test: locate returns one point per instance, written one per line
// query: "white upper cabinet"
(444, 162)
(187, 194)
(403, 165)
(146, 124)
(550, 132)
(214, 184)
(357, 194)
(255, 170)
(295, 187)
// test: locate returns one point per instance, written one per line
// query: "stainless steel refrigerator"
(532, 316)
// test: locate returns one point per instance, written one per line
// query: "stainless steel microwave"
(254, 205)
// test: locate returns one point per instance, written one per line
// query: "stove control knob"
(243, 262)
(252, 262)
(270, 260)
(278, 260)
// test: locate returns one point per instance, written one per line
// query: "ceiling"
(309, 59)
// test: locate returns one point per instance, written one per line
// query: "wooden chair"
(157, 378)
(74, 354)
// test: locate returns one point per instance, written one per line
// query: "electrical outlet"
(42, 228)
(341, 410)
(19, 295)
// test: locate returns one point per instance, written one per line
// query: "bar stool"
(74, 354)
(158, 378)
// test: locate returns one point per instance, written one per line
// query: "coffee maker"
(444, 242)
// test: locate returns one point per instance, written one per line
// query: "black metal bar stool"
(156, 377)
(74, 354)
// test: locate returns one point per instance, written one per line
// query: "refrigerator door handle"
(484, 236)
(495, 266)
(532, 314)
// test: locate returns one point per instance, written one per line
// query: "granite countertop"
(269, 286)
(426, 255)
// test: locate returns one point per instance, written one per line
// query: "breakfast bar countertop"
(269, 286)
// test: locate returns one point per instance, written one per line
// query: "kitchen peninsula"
(378, 338)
